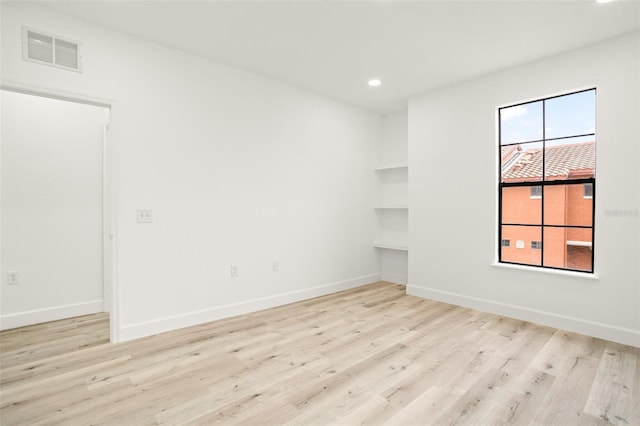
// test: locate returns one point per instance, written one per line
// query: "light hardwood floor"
(371, 355)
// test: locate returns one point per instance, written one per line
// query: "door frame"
(109, 248)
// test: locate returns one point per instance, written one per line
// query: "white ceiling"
(334, 47)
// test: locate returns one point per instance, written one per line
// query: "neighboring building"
(564, 206)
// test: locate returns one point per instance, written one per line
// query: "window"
(506, 243)
(547, 182)
(588, 190)
(535, 191)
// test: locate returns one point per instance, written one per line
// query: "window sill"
(586, 275)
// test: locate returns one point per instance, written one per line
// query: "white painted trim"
(391, 246)
(392, 167)
(579, 243)
(54, 94)
(590, 328)
(538, 269)
(38, 316)
(109, 194)
(147, 328)
(392, 206)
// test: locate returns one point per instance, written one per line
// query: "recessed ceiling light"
(604, 1)
(374, 82)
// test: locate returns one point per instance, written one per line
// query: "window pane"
(555, 247)
(568, 248)
(588, 190)
(519, 250)
(573, 158)
(579, 258)
(566, 205)
(521, 123)
(522, 162)
(570, 115)
(535, 191)
(518, 207)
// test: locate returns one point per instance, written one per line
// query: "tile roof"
(562, 162)
(508, 151)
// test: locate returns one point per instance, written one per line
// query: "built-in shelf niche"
(392, 207)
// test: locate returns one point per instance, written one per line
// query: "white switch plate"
(144, 216)
(276, 266)
(12, 278)
(234, 271)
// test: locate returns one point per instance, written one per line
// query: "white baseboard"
(161, 325)
(590, 328)
(55, 313)
(396, 279)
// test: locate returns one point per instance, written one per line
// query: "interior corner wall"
(394, 139)
(453, 195)
(238, 170)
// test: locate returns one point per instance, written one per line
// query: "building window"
(546, 193)
(588, 190)
(535, 191)
(506, 243)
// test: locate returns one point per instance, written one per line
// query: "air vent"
(49, 49)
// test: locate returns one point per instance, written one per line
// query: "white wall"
(394, 139)
(453, 172)
(237, 168)
(395, 266)
(51, 197)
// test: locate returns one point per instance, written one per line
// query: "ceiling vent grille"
(48, 49)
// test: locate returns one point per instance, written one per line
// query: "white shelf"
(392, 167)
(390, 246)
(392, 206)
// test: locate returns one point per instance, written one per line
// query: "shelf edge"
(391, 167)
(392, 206)
(390, 246)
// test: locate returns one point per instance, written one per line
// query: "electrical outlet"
(276, 266)
(12, 278)
(234, 271)
(144, 216)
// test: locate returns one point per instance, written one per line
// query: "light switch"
(144, 216)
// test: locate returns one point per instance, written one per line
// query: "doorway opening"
(56, 217)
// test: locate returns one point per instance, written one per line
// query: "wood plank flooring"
(371, 356)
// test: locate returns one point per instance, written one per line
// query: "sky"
(568, 115)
